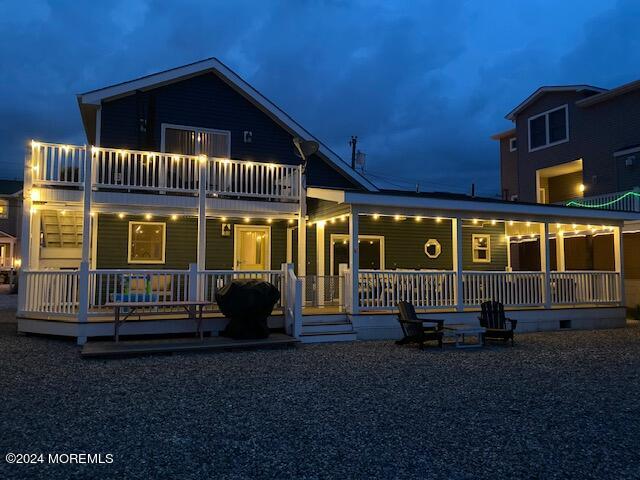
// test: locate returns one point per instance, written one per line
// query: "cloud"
(422, 83)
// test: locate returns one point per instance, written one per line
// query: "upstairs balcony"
(65, 166)
(628, 201)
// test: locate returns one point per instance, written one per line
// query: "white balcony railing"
(619, 201)
(131, 170)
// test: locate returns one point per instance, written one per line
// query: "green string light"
(574, 203)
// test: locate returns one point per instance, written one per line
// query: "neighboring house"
(10, 224)
(191, 179)
(578, 145)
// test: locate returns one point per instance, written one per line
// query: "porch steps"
(327, 328)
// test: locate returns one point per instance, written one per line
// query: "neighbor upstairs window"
(147, 242)
(4, 208)
(196, 141)
(481, 247)
(549, 128)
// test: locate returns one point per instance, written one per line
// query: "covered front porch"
(450, 254)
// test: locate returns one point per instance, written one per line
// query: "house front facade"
(578, 145)
(191, 178)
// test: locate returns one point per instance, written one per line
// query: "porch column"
(302, 245)
(618, 258)
(560, 259)
(202, 214)
(83, 279)
(302, 225)
(320, 263)
(33, 257)
(354, 260)
(545, 264)
(25, 234)
(456, 237)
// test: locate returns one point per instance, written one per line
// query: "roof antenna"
(473, 190)
(353, 142)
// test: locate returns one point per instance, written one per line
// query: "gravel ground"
(558, 405)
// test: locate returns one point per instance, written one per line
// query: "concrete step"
(329, 336)
(323, 327)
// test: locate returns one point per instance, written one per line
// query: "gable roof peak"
(550, 88)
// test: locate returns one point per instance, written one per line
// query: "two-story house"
(192, 178)
(578, 145)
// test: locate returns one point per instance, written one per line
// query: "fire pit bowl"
(247, 304)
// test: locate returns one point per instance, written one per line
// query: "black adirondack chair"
(414, 328)
(497, 325)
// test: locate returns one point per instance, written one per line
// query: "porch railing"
(157, 286)
(132, 170)
(382, 290)
(516, 289)
(573, 288)
(58, 292)
(50, 292)
(210, 281)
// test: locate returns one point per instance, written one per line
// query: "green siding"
(498, 247)
(404, 243)
(113, 238)
(182, 243)
(219, 254)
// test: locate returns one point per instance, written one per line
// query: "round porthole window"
(432, 248)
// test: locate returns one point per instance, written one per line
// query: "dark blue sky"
(423, 84)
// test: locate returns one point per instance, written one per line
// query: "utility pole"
(353, 142)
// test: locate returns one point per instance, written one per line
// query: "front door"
(252, 247)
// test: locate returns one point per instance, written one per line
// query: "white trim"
(195, 129)
(511, 147)
(98, 125)
(546, 114)
(289, 244)
(344, 236)
(164, 243)
(627, 151)
(511, 210)
(566, 88)
(473, 248)
(95, 97)
(250, 227)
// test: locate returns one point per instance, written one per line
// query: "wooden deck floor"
(126, 348)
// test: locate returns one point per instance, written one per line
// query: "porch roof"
(443, 204)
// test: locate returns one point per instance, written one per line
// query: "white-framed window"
(549, 128)
(189, 140)
(481, 248)
(513, 144)
(4, 208)
(147, 242)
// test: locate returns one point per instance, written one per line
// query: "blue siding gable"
(206, 101)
